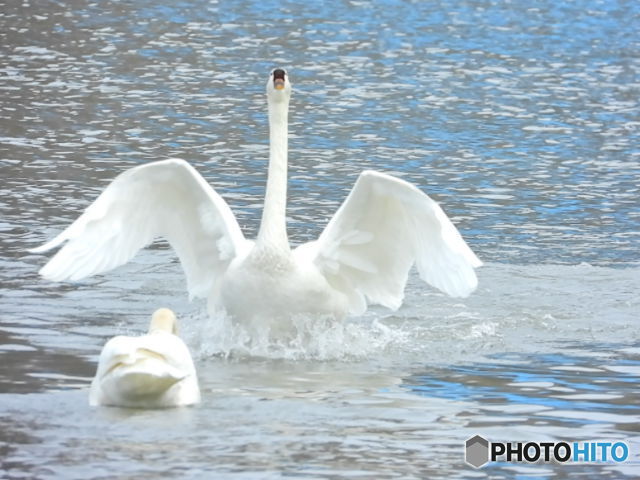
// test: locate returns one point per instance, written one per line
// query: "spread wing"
(385, 226)
(167, 199)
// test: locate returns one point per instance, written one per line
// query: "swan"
(362, 256)
(151, 371)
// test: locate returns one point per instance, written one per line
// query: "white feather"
(403, 226)
(167, 199)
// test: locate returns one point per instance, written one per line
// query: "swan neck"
(273, 227)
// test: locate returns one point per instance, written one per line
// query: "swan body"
(362, 257)
(151, 371)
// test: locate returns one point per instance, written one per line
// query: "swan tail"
(137, 384)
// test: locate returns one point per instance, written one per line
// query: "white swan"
(362, 257)
(150, 371)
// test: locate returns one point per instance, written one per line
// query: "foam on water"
(310, 339)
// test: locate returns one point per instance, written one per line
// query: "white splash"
(310, 338)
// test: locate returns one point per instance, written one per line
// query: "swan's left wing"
(385, 226)
(167, 199)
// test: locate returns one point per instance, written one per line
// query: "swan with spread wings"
(363, 256)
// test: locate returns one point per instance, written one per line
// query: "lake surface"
(521, 119)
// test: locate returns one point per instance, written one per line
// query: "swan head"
(163, 320)
(278, 86)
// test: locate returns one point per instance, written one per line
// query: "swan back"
(151, 371)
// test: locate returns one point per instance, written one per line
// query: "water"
(522, 120)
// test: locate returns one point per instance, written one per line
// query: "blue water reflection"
(585, 385)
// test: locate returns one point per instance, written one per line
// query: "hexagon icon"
(476, 451)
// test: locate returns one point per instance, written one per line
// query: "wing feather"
(385, 226)
(167, 199)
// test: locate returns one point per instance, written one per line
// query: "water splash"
(309, 339)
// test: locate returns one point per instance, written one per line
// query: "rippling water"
(521, 119)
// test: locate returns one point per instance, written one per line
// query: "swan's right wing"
(385, 226)
(167, 199)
